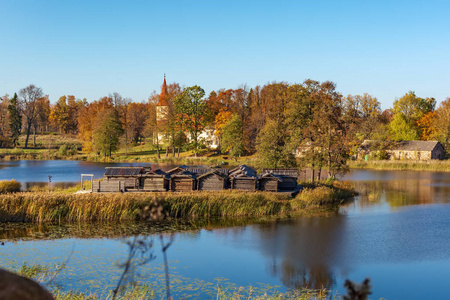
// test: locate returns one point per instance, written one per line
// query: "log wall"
(211, 183)
(182, 184)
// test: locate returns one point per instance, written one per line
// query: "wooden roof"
(243, 171)
(178, 169)
(157, 172)
(271, 175)
(124, 171)
(286, 172)
(213, 172)
(185, 174)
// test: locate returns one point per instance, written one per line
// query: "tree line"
(275, 121)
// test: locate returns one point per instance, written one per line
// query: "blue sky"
(92, 48)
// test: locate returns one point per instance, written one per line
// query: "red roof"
(164, 95)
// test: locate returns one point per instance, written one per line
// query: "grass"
(9, 186)
(403, 165)
(41, 207)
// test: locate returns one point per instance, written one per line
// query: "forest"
(276, 122)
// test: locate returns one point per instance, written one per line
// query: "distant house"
(404, 150)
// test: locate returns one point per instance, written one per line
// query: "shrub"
(9, 186)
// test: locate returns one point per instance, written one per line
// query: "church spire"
(164, 94)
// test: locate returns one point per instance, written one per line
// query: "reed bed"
(9, 186)
(56, 207)
(44, 207)
(403, 165)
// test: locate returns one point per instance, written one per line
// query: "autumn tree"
(15, 119)
(324, 134)
(427, 126)
(4, 128)
(87, 119)
(442, 123)
(59, 115)
(28, 100)
(137, 115)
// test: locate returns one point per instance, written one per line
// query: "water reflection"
(303, 251)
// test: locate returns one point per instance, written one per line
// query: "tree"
(59, 115)
(28, 100)
(442, 124)
(191, 108)
(325, 134)
(107, 132)
(427, 126)
(413, 107)
(15, 120)
(271, 146)
(87, 120)
(402, 130)
(233, 136)
(4, 127)
(137, 115)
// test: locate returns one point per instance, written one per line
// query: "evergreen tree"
(107, 132)
(15, 119)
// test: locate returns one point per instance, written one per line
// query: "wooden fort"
(185, 179)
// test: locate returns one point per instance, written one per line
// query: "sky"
(92, 48)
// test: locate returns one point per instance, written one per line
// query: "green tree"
(15, 119)
(413, 107)
(402, 130)
(271, 146)
(233, 136)
(107, 132)
(191, 109)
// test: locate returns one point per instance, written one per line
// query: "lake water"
(396, 232)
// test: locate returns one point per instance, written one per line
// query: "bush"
(9, 186)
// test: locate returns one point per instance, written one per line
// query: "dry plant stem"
(166, 263)
(126, 269)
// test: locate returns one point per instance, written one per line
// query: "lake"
(396, 232)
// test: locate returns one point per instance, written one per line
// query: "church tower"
(162, 108)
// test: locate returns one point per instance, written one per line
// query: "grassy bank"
(61, 207)
(403, 165)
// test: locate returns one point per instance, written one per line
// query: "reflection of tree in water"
(411, 191)
(304, 251)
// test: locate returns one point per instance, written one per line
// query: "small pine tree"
(15, 119)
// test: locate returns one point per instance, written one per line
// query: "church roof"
(164, 94)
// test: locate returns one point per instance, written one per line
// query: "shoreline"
(405, 165)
